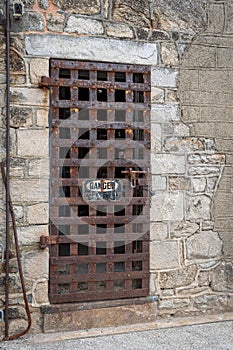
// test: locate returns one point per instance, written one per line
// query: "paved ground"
(210, 336)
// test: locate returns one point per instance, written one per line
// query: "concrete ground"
(208, 336)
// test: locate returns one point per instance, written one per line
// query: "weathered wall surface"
(191, 116)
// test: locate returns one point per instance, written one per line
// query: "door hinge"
(45, 241)
(45, 82)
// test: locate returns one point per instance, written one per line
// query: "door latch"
(133, 175)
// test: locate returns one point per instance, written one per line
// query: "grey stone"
(44, 4)
(82, 25)
(107, 50)
(31, 21)
(167, 206)
(165, 163)
(164, 77)
(84, 7)
(119, 30)
(174, 303)
(132, 11)
(164, 113)
(206, 245)
(178, 278)
(178, 144)
(21, 117)
(183, 229)
(179, 183)
(210, 301)
(169, 55)
(222, 277)
(198, 207)
(164, 255)
(55, 22)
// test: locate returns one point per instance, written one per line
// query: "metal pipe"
(7, 166)
(15, 336)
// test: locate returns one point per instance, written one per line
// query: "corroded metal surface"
(100, 130)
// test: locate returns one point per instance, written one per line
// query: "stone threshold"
(89, 315)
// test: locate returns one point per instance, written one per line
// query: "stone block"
(189, 114)
(158, 231)
(82, 25)
(204, 245)
(170, 303)
(222, 277)
(169, 55)
(199, 184)
(210, 301)
(44, 4)
(55, 22)
(29, 235)
(183, 229)
(42, 118)
(178, 278)
(217, 80)
(119, 30)
(171, 96)
(29, 97)
(223, 205)
(165, 163)
(164, 113)
(200, 56)
(137, 13)
(198, 207)
(179, 183)
(216, 114)
(32, 21)
(77, 317)
(21, 117)
(227, 239)
(164, 77)
(164, 255)
(216, 18)
(159, 183)
(204, 170)
(38, 259)
(40, 293)
(189, 80)
(206, 158)
(38, 214)
(38, 67)
(24, 190)
(83, 7)
(33, 143)
(181, 144)
(106, 50)
(156, 137)
(176, 129)
(157, 95)
(39, 168)
(167, 206)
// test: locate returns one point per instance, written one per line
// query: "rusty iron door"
(100, 181)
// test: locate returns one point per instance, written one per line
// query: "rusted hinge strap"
(45, 82)
(47, 240)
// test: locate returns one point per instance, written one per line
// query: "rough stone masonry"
(188, 45)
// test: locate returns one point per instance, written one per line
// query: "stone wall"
(188, 46)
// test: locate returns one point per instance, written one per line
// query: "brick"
(164, 255)
(106, 50)
(82, 25)
(33, 143)
(167, 206)
(165, 163)
(164, 77)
